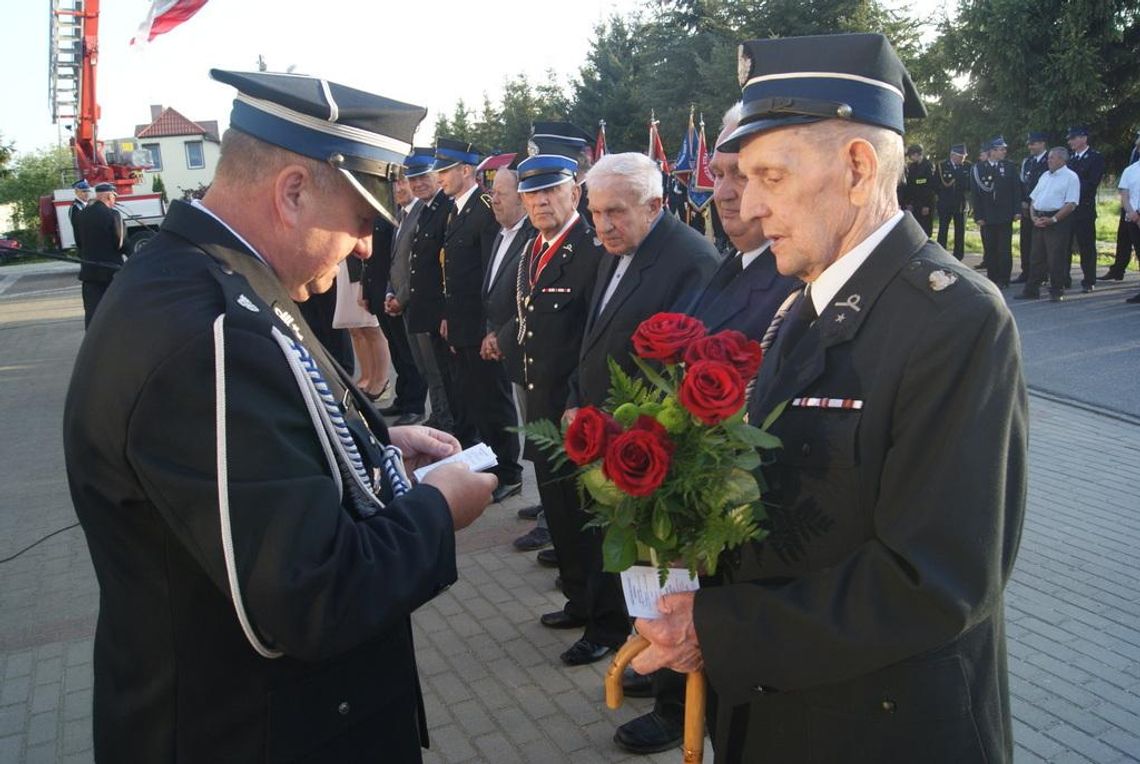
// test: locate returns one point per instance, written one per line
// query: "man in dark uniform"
(981, 183)
(555, 277)
(1032, 168)
(655, 263)
(1124, 239)
(82, 193)
(953, 183)
(422, 307)
(867, 627)
(483, 407)
(920, 187)
(258, 547)
(996, 207)
(744, 295)
(1088, 164)
(104, 246)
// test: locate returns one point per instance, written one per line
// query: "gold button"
(530, 386)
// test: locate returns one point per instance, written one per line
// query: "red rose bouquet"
(669, 462)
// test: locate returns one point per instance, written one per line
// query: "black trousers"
(997, 244)
(1126, 243)
(1084, 238)
(483, 407)
(959, 219)
(411, 389)
(565, 518)
(93, 292)
(1050, 257)
(925, 220)
(1026, 241)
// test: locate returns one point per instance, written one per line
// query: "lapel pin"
(939, 280)
(851, 302)
(246, 303)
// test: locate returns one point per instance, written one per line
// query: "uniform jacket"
(247, 611)
(1090, 169)
(554, 318)
(467, 244)
(748, 302)
(953, 183)
(1003, 200)
(374, 271)
(1032, 168)
(920, 185)
(499, 304)
(73, 211)
(868, 627)
(669, 269)
(399, 278)
(424, 309)
(104, 241)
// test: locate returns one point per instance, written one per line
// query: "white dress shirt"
(747, 258)
(1055, 189)
(462, 198)
(1130, 182)
(824, 288)
(197, 204)
(624, 261)
(508, 236)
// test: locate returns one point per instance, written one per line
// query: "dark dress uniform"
(1032, 168)
(541, 343)
(1089, 167)
(868, 625)
(919, 190)
(255, 593)
(953, 182)
(669, 268)
(77, 206)
(483, 407)
(104, 241)
(997, 208)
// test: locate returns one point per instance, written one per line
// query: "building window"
(155, 156)
(195, 155)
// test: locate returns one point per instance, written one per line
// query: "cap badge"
(531, 148)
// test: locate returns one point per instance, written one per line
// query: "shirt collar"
(197, 204)
(461, 200)
(824, 288)
(573, 219)
(747, 258)
(515, 228)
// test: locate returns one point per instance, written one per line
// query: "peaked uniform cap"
(450, 152)
(800, 80)
(1037, 136)
(103, 188)
(81, 185)
(362, 135)
(419, 162)
(553, 156)
(565, 130)
(1076, 130)
(996, 142)
(958, 148)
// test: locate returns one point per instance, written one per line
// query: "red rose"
(729, 346)
(651, 425)
(664, 336)
(712, 391)
(588, 435)
(637, 461)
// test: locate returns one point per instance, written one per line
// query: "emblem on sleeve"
(939, 280)
(247, 303)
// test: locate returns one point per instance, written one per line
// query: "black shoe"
(530, 513)
(1027, 296)
(1087, 288)
(1019, 280)
(1134, 299)
(981, 267)
(1111, 276)
(409, 418)
(560, 619)
(651, 733)
(547, 558)
(537, 538)
(635, 685)
(505, 491)
(584, 652)
(1056, 297)
(1002, 284)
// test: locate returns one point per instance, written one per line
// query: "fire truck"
(73, 60)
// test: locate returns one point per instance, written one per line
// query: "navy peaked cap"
(996, 142)
(799, 80)
(450, 152)
(1076, 130)
(419, 162)
(1037, 136)
(958, 148)
(362, 135)
(81, 185)
(102, 188)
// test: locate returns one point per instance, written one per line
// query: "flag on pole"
(600, 149)
(656, 151)
(701, 183)
(165, 15)
(687, 156)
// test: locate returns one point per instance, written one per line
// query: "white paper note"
(642, 588)
(478, 457)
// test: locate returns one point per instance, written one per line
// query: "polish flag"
(163, 16)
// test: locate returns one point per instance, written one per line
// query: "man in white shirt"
(867, 625)
(1129, 187)
(1052, 202)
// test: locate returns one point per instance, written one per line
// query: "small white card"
(478, 457)
(642, 588)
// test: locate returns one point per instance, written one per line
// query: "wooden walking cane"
(693, 745)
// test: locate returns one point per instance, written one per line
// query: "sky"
(431, 55)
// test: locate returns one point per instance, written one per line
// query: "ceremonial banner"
(600, 149)
(656, 151)
(701, 183)
(165, 15)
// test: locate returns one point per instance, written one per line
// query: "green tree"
(7, 149)
(159, 187)
(31, 176)
(610, 86)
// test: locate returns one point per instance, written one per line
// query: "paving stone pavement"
(493, 687)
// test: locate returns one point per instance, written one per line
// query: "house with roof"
(184, 152)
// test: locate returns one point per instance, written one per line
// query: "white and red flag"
(600, 149)
(656, 150)
(165, 15)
